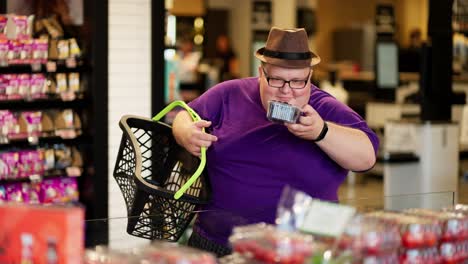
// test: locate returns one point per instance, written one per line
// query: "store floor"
(367, 194)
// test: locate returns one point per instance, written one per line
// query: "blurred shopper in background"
(226, 59)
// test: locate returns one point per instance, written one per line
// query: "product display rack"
(91, 107)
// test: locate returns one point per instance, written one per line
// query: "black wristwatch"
(323, 133)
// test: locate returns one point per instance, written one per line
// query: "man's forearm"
(350, 148)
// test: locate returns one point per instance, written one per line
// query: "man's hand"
(309, 126)
(190, 136)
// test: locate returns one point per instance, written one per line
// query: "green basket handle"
(202, 164)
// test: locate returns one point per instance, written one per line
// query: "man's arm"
(189, 134)
(350, 148)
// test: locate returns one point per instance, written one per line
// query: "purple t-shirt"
(254, 158)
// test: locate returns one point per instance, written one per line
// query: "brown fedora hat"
(287, 48)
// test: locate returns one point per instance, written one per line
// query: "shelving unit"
(91, 106)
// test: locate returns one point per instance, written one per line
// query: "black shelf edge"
(61, 67)
(56, 173)
(397, 157)
(24, 143)
(43, 104)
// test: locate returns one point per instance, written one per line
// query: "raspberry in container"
(420, 256)
(416, 232)
(454, 252)
(366, 236)
(170, 253)
(455, 225)
(268, 244)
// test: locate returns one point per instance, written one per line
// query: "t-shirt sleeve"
(330, 109)
(209, 104)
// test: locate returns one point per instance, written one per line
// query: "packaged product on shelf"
(11, 160)
(31, 192)
(53, 27)
(49, 158)
(4, 48)
(4, 170)
(2, 194)
(26, 51)
(3, 87)
(3, 23)
(74, 48)
(14, 192)
(8, 125)
(38, 86)
(69, 189)
(171, 253)
(14, 51)
(63, 49)
(74, 82)
(30, 123)
(24, 85)
(61, 80)
(12, 89)
(63, 156)
(267, 243)
(17, 27)
(43, 234)
(67, 124)
(40, 50)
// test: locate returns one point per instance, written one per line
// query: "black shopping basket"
(161, 182)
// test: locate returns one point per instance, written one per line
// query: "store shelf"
(40, 104)
(52, 66)
(47, 175)
(24, 143)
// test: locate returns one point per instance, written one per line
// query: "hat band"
(287, 55)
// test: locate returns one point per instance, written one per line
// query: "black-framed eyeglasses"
(279, 83)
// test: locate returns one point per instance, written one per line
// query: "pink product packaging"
(33, 120)
(4, 170)
(14, 51)
(38, 85)
(3, 87)
(25, 164)
(36, 157)
(50, 191)
(69, 189)
(11, 160)
(30, 192)
(26, 51)
(19, 27)
(3, 50)
(40, 50)
(24, 83)
(14, 193)
(12, 89)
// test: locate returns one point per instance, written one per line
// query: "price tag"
(325, 218)
(36, 67)
(35, 178)
(51, 66)
(71, 63)
(73, 171)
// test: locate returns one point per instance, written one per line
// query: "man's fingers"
(202, 123)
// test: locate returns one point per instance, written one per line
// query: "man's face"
(297, 77)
